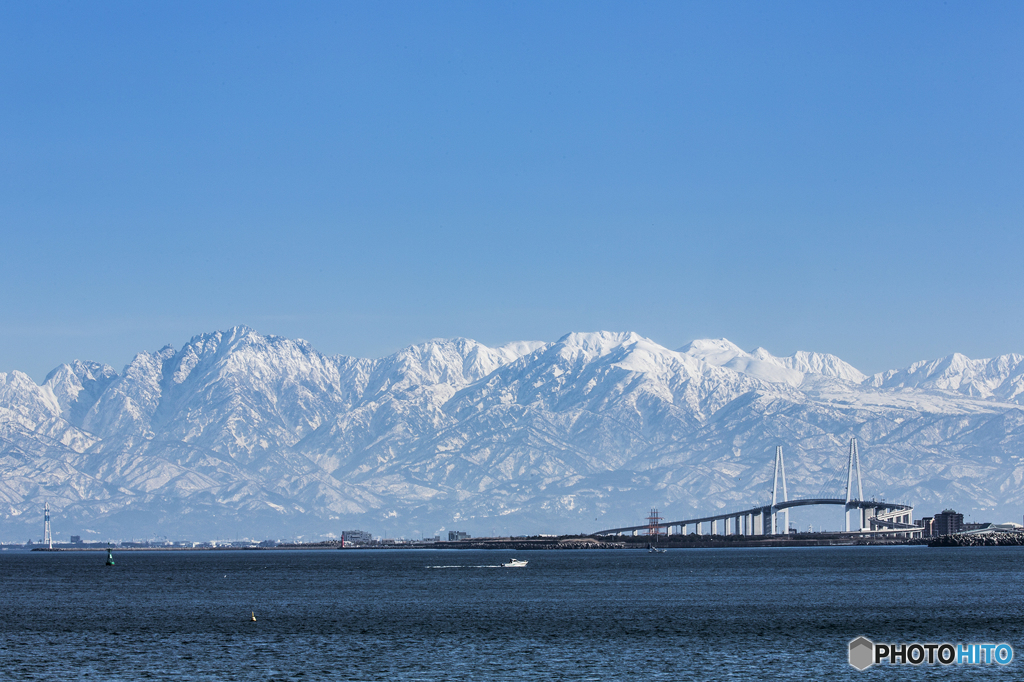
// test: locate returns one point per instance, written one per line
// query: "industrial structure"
(47, 538)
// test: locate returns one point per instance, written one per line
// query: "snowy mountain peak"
(624, 350)
(715, 352)
(590, 345)
(1001, 377)
(517, 349)
(455, 362)
(823, 364)
(23, 401)
(78, 385)
(760, 363)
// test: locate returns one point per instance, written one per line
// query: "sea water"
(690, 614)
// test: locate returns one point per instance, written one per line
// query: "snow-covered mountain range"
(239, 434)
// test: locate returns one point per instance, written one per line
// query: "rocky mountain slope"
(239, 434)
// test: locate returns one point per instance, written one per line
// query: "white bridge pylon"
(761, 519)
(854, 461)
(780, 468)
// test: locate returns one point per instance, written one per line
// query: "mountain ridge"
(265, 434)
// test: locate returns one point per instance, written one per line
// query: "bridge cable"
(834, 479)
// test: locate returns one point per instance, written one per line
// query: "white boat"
(651, 549)
(515, 563)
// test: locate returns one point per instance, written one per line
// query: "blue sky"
(837, 177)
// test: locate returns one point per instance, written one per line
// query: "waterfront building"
(993, 528)
(948, 522)
(357, 537)
(974, 526)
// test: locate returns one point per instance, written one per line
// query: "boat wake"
(481, 566)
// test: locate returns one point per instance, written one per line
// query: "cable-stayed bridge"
(869, 516)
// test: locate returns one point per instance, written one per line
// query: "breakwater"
(978, 540)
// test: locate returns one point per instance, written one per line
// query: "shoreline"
(557, 543)
(592, 542)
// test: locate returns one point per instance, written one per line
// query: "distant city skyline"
(841, 178)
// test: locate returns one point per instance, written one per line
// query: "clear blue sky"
(839, 177)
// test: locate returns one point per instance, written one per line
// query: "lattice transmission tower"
(652, 523)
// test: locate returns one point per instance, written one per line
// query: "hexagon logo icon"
(862, 653)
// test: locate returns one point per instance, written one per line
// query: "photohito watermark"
(865, 653)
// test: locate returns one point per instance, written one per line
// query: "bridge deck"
(862, 504)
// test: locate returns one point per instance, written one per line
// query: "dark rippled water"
(452, 615)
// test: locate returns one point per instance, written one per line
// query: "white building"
(357, 537)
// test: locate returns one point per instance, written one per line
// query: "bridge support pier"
(780, 521)
(861, 516)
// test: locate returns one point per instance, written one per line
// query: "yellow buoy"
(254, 616)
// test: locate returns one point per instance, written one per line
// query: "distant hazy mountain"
(238, 434)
